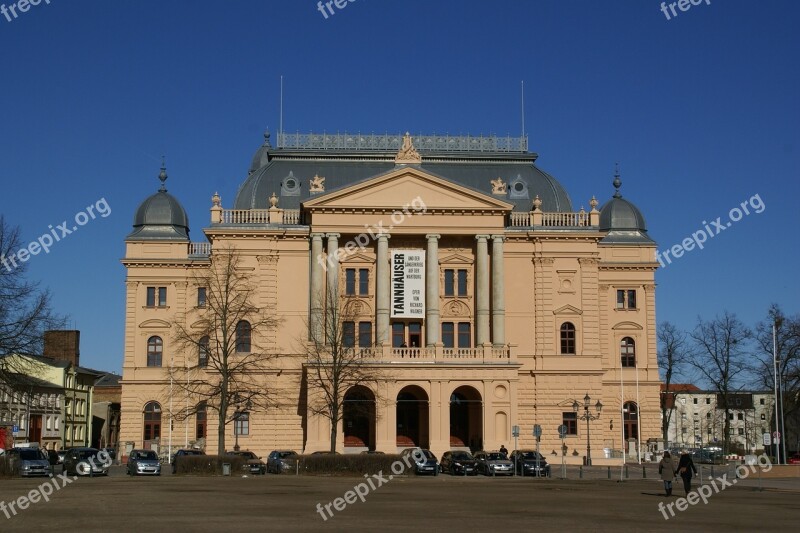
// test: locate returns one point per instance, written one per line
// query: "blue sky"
(700, 110)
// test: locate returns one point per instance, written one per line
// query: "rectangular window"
(156, 297)
(763, 417)
(631, 299)
(398, 334)
(364, 334)
(448, 335)
(708, 401)
(350, 281)
(626, 299)
(620, 299)
(363, 281)
(242, 424)
(570, 419)
(741, 431)
(151, 297)
(741, 416)
(201, 296)
(449, 282)
(462, 282)
(761, 401)
(415, 334)
(464, 336)
(348, 334)
(695, 401)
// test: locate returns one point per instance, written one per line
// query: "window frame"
(155, 351)
(202, 297)
(365, 334)
(627, 352)
(464, 335)
(244, 337)
(448, 337)
(241, 424)
(570, 420)
(568, 336)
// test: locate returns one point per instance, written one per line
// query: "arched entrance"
(630, 417)
(359, 418)
(412, 418)
(466, 416)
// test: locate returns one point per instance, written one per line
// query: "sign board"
(408, 283)
(767, 439)
(777, 436)
(537, 430)
(15, 429)
(562, 431)
(515, 431)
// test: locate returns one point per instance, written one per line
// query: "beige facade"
(521, 312)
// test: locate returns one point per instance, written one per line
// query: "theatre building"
(482, 299)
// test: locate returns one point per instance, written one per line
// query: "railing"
(291, 216)
(392, 143)
(199, 248)
(581, 219)
(432, 353)
(520, 220)
(245, 216)
(565, 219)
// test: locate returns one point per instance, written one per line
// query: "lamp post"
(588, 416)
(236, 419)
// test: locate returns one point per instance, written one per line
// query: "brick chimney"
(63, 345)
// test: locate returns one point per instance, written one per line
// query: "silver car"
(30, 462)
(85, 462)
(494, 464)
(143, 462)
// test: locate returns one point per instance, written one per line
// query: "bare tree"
(787, 349)
(720, 357)
(25, 310)
(335, 364)
(226, 362)
(672, 354)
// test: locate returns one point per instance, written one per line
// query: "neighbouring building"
(697, 418)
(512, 304)
(106, 407)
(33, 407)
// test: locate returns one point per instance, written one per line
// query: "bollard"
(609, 472)
(626, 471)
(644, 473)
(712, 471)
(580, 472)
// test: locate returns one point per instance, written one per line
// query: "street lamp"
(237, 418)
(588, 416)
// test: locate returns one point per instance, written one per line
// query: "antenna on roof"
(280, 125)
(522, 86)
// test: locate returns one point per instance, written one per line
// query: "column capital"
(333, 235)
(383, 236)
(481, 237)
(433, 236)
(498, 238)
(317, 235)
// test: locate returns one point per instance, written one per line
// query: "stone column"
(382, 273)
(498, 293)
(318, 265)
(432, 291)
(482, 290)
(333, 271)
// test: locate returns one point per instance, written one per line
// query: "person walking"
(504, 451)
(666, 469)
(686, 470)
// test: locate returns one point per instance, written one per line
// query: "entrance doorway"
(412, 418)
(466, 416)
(359, 418)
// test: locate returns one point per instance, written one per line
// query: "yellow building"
(483, 299)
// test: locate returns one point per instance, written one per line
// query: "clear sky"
(701, 111)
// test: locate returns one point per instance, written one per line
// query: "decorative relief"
(317, 184)
(500, 392)
(407, 153)
(566, 281)
(588, 260)
(271, 258)
(455, 308)
(499, 186)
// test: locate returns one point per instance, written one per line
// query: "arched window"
(155, 349)
(630, 417)
(202, 421)
(243, 336)
(627, 352)
(568, 338)
(202, 351)
(152, 421)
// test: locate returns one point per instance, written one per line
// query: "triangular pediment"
(455, 259)
(408, 188)
(567, 310)
(357, 258)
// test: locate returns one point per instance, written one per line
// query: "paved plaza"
(442, 503)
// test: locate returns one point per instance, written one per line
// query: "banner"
(408, 283)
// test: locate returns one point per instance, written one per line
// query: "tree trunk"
(221, 433)
(334, 427)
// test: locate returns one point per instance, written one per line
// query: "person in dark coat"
(504, 451)
(666, 468)
(686, 470)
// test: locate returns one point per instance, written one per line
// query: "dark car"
(143, 462)
(84, 462)
(530, 463)
(254, 463)
(30, 462)
(183, 453)
(494, 464)
(280, 461)
(422, 461)
(53, 457)
(458, 463)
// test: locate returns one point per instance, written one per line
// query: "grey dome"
(620, 214)
(160, 217)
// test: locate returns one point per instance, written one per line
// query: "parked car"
(325, 453)
(280, 461)
(424, 462)
(530, 463)
(143, 462)
(84, 462)
(372, 452)
(183, 453)
(493, 464)
(112, 453)
(52, 457)
(458, 463)
(30, 462)
(254, 463)
(794, 459)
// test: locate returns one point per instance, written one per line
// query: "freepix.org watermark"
(22, 6)
(43, 243)
(709, 231)
(360, 242)
(683, 5)
(46, 489)
(326, 8)
(716, 486)
(374, 482)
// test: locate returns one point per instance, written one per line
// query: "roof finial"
(163, 175)
(617, 183)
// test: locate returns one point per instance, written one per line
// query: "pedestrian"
(666, 469)
(686, 469)
(504, 451)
